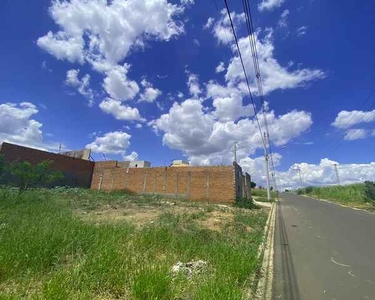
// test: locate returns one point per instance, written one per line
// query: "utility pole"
(300, 175)
(60, 148)
(235, 152)
(337, 173)
(267, 168)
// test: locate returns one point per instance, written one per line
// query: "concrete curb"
(263, 287)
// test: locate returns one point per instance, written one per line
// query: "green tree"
(253, 184)
(369, 191)
(29, 175)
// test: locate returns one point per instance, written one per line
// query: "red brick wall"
(77, 172)
(212, 184)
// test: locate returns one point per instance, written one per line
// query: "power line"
(337, 173)
(245, 74)
(253, 47)
(264, 139)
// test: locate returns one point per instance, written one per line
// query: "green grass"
(261, 195)
(350, 195)
(47, 252)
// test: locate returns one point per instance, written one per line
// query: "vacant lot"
(81, 244)
(350, 195)
(261, 195)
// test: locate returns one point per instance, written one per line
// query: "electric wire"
(245, 74)
(253, 47)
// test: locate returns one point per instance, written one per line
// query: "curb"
(263, 286)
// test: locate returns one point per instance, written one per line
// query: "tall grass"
(352, 194)
(261, 194)
(48, 253)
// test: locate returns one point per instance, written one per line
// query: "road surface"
(323, 251)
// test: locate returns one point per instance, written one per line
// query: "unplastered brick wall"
(211, 184)
(77, 172)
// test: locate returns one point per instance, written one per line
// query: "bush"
(300, 191)
(29, 175)
(309, 189)
(245, 203)
(369, 191)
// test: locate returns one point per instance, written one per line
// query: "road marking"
(332, 260)
(351, 274)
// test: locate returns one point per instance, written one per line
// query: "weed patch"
(50, 249)
(353, 195)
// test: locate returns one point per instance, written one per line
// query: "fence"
(211, 184)
(77, 172)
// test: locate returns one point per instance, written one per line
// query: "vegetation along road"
(323, 251)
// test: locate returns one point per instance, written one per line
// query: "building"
(179, 163)
(139, 164)
(82, 154)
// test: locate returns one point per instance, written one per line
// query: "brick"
(77, 172)
(210, 184)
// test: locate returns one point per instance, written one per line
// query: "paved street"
(323, 251)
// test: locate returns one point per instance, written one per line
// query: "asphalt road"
(323, 251)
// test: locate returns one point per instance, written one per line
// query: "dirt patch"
(138, 215)
(217, 220)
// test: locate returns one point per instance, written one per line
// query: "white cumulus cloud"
(220, 67)
(82, 85)
(222, 30)
(209, 23)
(269, 4)
(105, 31)
(346, 119)
(150, 93)
(193, 85)
(119, 110)
(116, 142)
(355, 134)
(117, 84)
(131, 157)
(207, 140)
(274, 75)
(17, 126)
(321, 174)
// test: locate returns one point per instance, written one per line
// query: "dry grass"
(212, 217)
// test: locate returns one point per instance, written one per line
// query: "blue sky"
(157, 80)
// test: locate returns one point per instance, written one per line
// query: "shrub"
(245, 203)
(29, 175)
(309, 189)
(300, 191)
(369, 191)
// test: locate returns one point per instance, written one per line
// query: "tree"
(369, 191)
(28, 175)
(253, 184)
